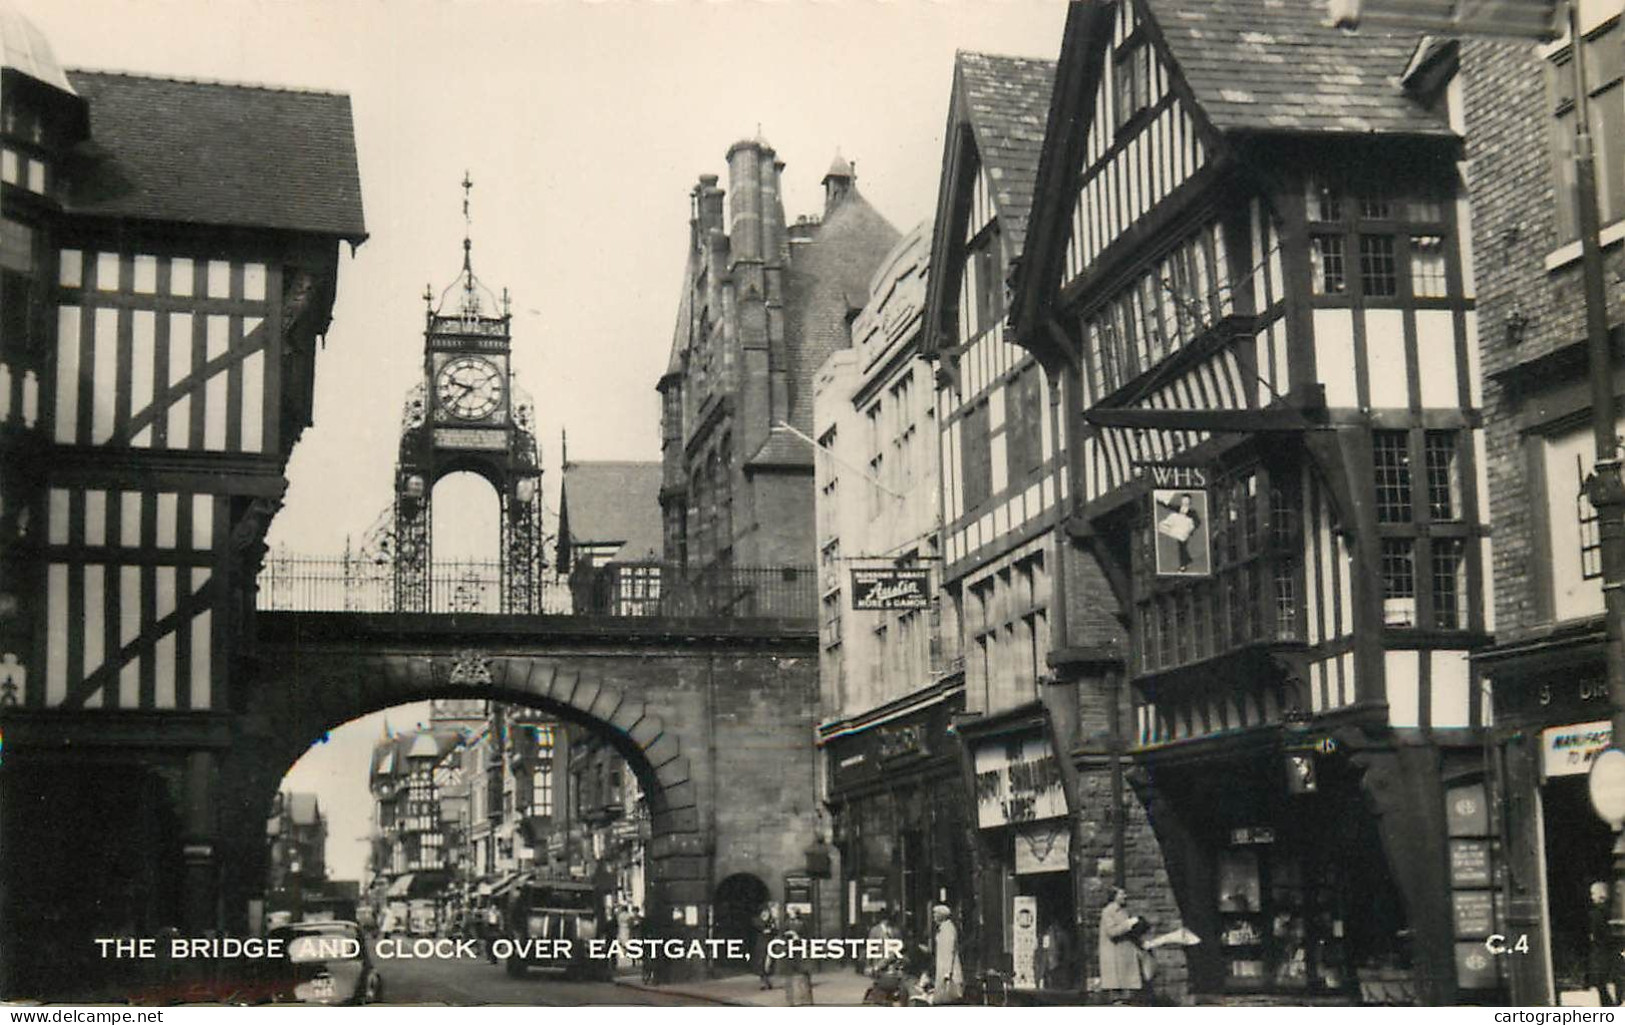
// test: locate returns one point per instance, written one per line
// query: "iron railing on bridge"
(291, 582)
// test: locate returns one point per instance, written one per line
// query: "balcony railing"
(299, 583)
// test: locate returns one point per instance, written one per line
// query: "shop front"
(1552, 716)
(896, 795)
(1285, 867)
(1028, 915)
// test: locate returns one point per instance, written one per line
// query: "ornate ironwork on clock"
(466, 414)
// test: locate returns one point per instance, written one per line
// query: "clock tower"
(466, 415)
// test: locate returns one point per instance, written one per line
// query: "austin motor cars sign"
(879, 590)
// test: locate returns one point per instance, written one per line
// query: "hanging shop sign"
(1570, 750)
(882, 590)
(1017, 780)
(1043, 847)
(1607, 787)
(1179, 512)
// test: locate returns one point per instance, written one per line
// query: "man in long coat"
(1122, 960)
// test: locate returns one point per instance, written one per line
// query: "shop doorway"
(1578, 853)
(1054, 962)
(739, 899)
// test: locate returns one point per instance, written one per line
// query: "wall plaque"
(1470, 863)
(1473, 911)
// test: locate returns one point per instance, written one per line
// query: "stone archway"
(282, 722)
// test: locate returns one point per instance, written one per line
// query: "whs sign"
(1180, 519)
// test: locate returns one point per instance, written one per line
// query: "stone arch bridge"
(715, 716)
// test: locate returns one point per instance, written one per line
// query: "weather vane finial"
(470, 300)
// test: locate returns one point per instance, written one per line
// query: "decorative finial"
(564, 448)
(471, 302)
(506, 304)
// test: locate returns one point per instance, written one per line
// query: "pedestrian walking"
(762, 931)
(948, 979)
(1604, 964)
(1125, 965)
(493, 930)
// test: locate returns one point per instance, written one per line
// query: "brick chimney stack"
(745, 199)
(709, 205)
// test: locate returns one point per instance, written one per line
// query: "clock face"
(469, 388)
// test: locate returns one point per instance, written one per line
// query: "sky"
(583, 126)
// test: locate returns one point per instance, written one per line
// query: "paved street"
(476, 982)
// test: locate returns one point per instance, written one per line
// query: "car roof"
(311, 927)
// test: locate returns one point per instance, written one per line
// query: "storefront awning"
(402, 885)
(508, 883)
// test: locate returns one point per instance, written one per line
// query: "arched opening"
(466, 544)
(461, 808)
(738, 902)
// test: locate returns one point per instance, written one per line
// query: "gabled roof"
(389, 755)
(1004, 104)
(219, 154)
(1007, 101)
(1274, 65)
(612, 503)
(1253, 67)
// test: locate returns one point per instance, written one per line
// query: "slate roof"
(389, 754)
(782, 449)
(220, 154)
(827, 282)
(606, 502)
(1272, 65)
(1007, 102)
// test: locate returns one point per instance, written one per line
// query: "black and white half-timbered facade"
(1036, 663)
(161, 298)
(1246, 259)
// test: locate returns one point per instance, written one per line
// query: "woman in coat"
(949, 977)
(1122, 959)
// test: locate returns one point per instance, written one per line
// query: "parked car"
(325, 963)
